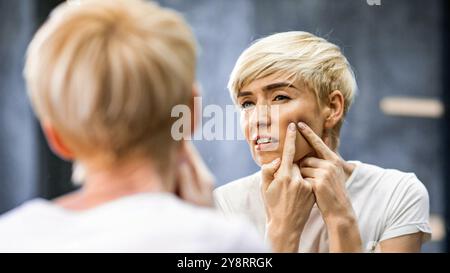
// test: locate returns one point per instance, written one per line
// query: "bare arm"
(403, 244)
(343, 233)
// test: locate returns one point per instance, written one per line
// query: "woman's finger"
(201, 171)
(316, 142)
(308, 172)
(268, 171)
(296, 174)
(289, 149)
(199, 179)
(313, 162)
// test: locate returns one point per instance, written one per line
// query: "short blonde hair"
(106, 74)
(300, 56)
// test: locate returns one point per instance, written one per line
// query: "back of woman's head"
(106, 74)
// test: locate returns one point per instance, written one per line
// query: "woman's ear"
(335, 111)
(55, 142)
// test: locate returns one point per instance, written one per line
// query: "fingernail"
(292, 127)
(301, 125)
(275, 162)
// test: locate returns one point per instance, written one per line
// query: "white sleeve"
(248, 240)
(408, 210)
(221, 203)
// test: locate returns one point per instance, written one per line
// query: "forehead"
(266, 81)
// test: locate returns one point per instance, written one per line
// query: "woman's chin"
(262, 158)
(266, 158)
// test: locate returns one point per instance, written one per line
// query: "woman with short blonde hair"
(294, 90)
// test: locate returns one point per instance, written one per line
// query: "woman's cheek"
(302, 148)
(246, 131)
(244, 126)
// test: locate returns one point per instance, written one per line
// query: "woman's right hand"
(288, 198)
(194, 181)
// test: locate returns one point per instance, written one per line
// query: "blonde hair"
(106, 74)
(300, 56)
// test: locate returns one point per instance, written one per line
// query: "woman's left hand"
(328, 174)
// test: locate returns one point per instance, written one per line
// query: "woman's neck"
(103, 185)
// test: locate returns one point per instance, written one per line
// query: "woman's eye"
(246, 104)
(280, 97)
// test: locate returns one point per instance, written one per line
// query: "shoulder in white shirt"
(388, 203)
(147, 222)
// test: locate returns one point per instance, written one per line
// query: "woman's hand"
(328, 174)
(288, 198)
(194, 182)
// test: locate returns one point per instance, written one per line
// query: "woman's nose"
(260, 116)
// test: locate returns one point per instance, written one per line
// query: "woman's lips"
(266, 147)
(265, 144)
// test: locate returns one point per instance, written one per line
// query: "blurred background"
(398, 49)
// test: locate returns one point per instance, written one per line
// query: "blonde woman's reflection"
(306, 197)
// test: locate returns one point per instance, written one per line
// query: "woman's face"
(268, 105)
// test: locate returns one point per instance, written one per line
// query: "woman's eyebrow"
(244, 93)
(278, 85)
(269, 87)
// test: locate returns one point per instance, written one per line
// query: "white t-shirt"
(145, 222)
(387, 203)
